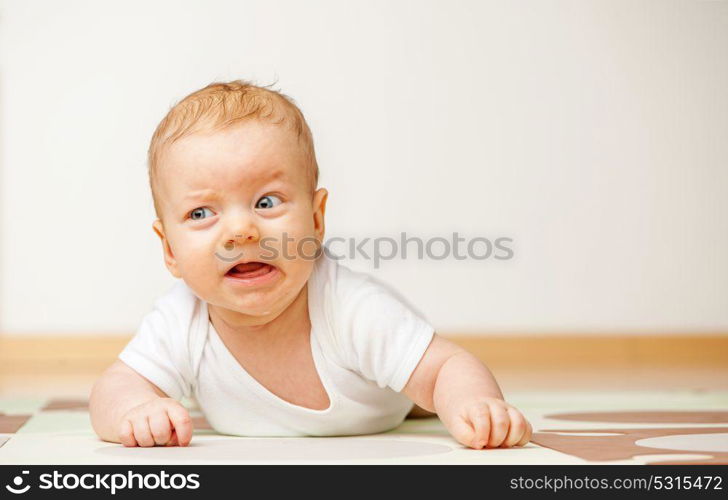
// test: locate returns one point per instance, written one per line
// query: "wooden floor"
(67, 366)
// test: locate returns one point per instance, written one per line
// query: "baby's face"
(240, 195)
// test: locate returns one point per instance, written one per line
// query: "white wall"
(593, 133)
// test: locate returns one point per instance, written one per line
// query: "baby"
(269, 334)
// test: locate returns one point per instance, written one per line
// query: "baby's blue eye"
(269, 201)
(200, 213)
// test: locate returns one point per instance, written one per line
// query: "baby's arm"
(126, 408)
(464, 394)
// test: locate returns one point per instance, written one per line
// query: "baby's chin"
(253, 304)
(255, 307)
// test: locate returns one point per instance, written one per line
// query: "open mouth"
(250, 270)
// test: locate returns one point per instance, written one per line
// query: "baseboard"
(43, 354)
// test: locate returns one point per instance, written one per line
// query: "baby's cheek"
(197, 263)
(307, 248)
(294, 236)
(296, 255)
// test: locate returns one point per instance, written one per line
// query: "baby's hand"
(489, 423)
(162, 421)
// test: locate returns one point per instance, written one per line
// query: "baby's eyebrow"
(204, 194)
(210, 194)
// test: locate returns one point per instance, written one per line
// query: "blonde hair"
(222, 104)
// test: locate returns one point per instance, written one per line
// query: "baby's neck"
(293, 319)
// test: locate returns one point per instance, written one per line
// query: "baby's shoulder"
(359, 298)
(351, 289)
(374, 330)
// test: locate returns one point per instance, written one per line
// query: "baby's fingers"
(480, 420)
(526, 435)
(182, 424)
(126, 434)
(461, 430)
(499, 425)
(142, 433)
(517, 428)
(160, 427)
(173, 440)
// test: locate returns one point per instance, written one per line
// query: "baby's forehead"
(246, 154)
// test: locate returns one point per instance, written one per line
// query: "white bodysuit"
(365, 340)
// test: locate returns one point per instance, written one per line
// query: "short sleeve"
(159, 350)
(385, 336)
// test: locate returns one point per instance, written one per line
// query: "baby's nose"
(246, 234)
(240, 238)
(241, 230)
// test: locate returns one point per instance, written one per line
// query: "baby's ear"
(319, 209)
(169, 259)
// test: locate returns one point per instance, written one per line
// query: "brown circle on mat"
(647, 417)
